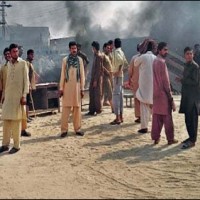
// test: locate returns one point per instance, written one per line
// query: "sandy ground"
(108, 162)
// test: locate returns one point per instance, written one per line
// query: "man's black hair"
(6, 50)
(96, 45)
(13, 46)
(161, 45)
(187, 49)
(105, 45)
(30, 51)
(110, 42)
(72, 43)
(118, 43)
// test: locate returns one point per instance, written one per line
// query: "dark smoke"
(175, 22)
(143, 20)
(178, 24)
(80, 16)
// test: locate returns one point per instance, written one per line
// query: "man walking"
(16, 89)
(190, 97)
(72, 82)
(163, 102)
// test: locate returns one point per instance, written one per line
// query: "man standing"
(32, 87)
(85, 61)
(31, 74)
(3, 78)
(3, 73)
(16, 89)
(95, 89)
(119, 63)
(163, 102)
(145, 91)
(107, 76)
(111, 43)
(72, 82)
(133, 82)
(190, 97)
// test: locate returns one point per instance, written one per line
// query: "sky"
(53, 14)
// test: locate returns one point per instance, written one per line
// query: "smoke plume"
(80, 16)
(175, 22)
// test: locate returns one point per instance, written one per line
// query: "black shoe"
(185, 140)
(115, 122)
(90, 114)
(13, 150)
(79, 133)
(63, 134)
(188, 144)
(157, 141)
(4, 148)
(24, 133)
(137, 120)
(144, 130)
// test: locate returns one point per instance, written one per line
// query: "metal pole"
(3, 17)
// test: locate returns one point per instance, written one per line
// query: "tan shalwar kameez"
(107, 77)
(71, 100)
(32, 86)
(134, 79)
(17, 86)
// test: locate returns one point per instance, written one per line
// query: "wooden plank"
(42, 112)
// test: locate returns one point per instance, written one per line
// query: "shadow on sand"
(144, 153)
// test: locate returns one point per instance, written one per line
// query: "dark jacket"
(190, 93)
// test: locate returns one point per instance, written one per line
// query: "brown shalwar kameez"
(95, 93)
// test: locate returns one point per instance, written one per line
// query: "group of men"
(17, 80)
(106, 83)
(149, 80)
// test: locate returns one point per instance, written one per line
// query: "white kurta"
(17, 86)
(145, 90)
